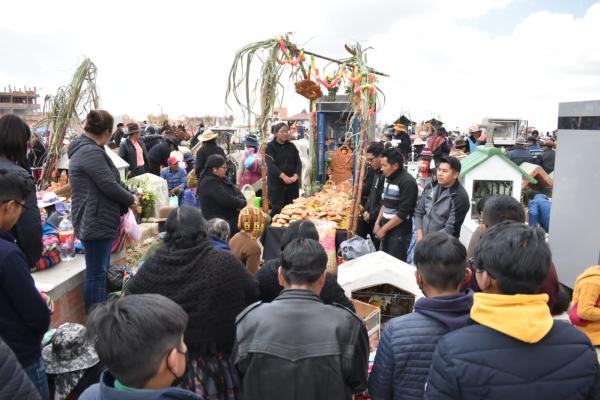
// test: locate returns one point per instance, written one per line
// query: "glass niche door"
(483, 188)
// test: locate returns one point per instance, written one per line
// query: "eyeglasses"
(19, 203)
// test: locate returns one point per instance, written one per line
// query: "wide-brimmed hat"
(69, 350)
(50, 199)
(460, 143)
(475, 128)
(400, 128)
(208, 135)
(188, 157)
(251, 140)
(132, 128)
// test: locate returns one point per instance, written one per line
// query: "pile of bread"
(327, 205)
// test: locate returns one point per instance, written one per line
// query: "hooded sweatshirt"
(524, 317)
(407, 344)
(452, 311)
(585, 313)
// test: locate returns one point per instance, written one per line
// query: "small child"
(139, 338)
(24, 314)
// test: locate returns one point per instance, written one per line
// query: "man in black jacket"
(159, 154)
(133, 151)
(393, 226)
(515, 350)
(373, 202)
(284, 169)
(444, 204)
(297, 347)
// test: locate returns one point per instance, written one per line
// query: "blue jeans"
(37, 373)
(97, 261)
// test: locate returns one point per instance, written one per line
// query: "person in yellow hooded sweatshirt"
(514, 349)
(585, 309)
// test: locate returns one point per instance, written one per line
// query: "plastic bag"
(131, 226)
(174, 201)
(356, 247)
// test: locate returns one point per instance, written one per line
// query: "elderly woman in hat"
(133, 151)
(209, 147)
(251, 162)
(245, 244)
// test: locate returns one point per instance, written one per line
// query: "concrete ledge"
(63, 283)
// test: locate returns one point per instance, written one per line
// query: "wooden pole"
(357, 193)
(295, 50)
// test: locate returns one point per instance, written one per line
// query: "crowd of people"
(205, 318)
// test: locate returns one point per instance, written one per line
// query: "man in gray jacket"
(444, 204)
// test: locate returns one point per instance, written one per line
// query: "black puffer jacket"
(219, 198)
(478, 362)
(99, 198)
(28, 230)
(14, 382)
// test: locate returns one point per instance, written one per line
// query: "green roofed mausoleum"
(488, 172)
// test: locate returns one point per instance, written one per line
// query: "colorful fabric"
(211, 377)
(252, 221)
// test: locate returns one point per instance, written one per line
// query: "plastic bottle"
(66, 236)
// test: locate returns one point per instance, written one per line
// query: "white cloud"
(178, 54)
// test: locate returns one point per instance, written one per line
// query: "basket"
(249, 194)
(309, 89)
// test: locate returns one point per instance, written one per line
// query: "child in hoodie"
(514, 349)
(407, 342)
(585, 310)
(139, 338)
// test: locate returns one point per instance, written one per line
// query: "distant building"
(23, 103)
(280, 113)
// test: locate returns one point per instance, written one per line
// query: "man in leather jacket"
(296, 347)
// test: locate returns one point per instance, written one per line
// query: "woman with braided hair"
(245, 244)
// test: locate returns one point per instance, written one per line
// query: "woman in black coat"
(99, 199)
(218, 197)
(212, 286)
(14, 135)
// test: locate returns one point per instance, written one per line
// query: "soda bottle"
(66, 238)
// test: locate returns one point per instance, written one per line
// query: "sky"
(458, 61)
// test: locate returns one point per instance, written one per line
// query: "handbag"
(356, 247)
